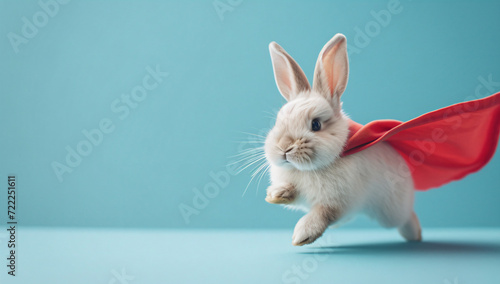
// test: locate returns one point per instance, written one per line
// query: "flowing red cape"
(440, 146)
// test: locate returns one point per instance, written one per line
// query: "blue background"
(220, 84)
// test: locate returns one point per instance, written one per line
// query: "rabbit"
(304, 147)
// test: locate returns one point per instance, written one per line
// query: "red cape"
(440, 146)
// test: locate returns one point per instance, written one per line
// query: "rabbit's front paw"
(281, 194)
(308, 229)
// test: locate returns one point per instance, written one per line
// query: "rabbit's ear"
(332, 69)
(289, 77)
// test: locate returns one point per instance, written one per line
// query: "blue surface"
(67, 77)
(242, 256)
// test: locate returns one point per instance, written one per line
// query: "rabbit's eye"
(315, 125)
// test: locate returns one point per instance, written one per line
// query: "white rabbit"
(304, 150)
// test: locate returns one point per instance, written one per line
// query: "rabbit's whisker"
(257, 149)
(253, 176)
(253, 162)
(261, 176)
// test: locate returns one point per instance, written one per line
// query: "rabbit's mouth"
(299, 158)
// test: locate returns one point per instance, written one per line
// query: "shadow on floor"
(424, 247)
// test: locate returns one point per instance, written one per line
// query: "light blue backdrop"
(72, 67)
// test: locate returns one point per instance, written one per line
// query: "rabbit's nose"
(285, 142)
